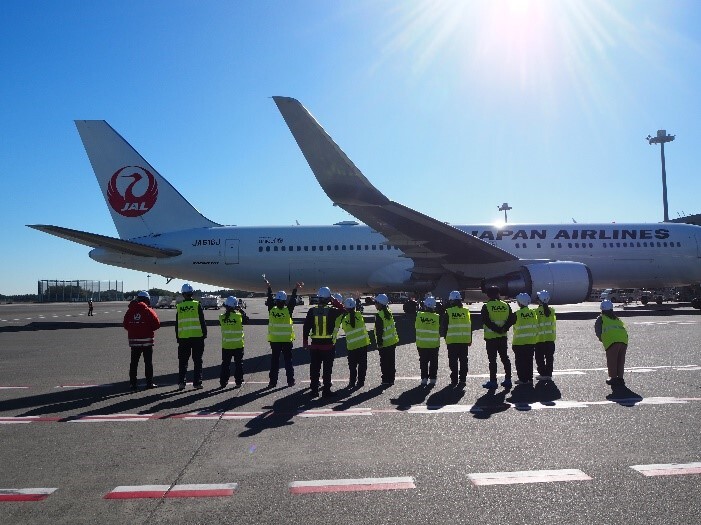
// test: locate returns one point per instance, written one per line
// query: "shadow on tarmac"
(624, 396)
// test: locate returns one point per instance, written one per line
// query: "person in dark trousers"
(524, 339)
(319, 327)
(456, 328)
(232, 342)
(281, 332)
(190, 333)
(497, 318)
(357, 341)
(140, 322)
(612, 333)
(545, 347)
(428, 341)
(90, 307)
(386, 338)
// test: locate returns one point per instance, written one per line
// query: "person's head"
(231, 302)
(281, 299)
(607, 307)
(523, 299)
(186, 290)
(492, 292)
(430, 303)
(349, 303)
(143, 297)
(455, 299)
(324, 295)
(544, 297)
(381, 301)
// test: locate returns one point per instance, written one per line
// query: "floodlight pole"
(504, 207)
(661, 138)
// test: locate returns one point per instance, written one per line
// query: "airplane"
(396, 249)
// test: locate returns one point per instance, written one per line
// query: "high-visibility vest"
(526, 327)
(498, 312)
(427, 326)
(321, 329)
(389, 330)
(612, 331)
(231, 330)
(546, 325)
(280, 328)
(189, 320)
(355, 337)
(459, 325)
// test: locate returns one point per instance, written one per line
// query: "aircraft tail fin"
(141, 201)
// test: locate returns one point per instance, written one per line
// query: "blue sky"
(448, 107)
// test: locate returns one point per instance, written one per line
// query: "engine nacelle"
(567, 282)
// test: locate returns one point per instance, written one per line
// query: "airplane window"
(313, 248)
(367, 247)
(267, 248)
(275, 248)
(538, 245)
(328, 248)
(299, 248)
(282, 248)
(306, 248)
(625, 245)
(645, 245)
(552, 245)
(665, 245)
(343, 247)
(360, 247)
(559, 245)
(373, 246)
(350, 246)
(260, 248)
(569, 245)
(336, 247)
(382, 247)
(659, 244)
(517, 245)
(321, 248)
(576, 245)
(591, 245)
(679, 245)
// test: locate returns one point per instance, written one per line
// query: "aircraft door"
(231, 251)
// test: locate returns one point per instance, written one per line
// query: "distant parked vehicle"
(165, 301)
(211, 301)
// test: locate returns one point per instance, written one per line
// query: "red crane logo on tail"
(127, 203)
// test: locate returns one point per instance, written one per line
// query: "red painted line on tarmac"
(202, 490)
(351, 485)
(35, 494)
(137, 492)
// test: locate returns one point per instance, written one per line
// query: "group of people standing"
(534, 335)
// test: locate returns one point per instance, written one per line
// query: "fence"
(77, 290)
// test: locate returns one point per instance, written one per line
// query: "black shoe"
(133, 388)
(238, 385)
(272, 384)
(360, 384)
(314, 392)
(222, 386)
(351, 384)
(610, 381)
(149, 386)
(198, 386)
(291, 383)
(328, 393)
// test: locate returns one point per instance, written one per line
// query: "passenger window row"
(328, 248)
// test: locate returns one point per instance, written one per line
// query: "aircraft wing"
(110, 243)
(434, 246)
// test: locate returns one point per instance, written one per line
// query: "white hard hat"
(324, 292)
(349, 303)
(337, 296)
(430, 302)
(186, 288)
(544, 296)
(606, 305)
(382, 299)
(281, 296)
(143, 293)
(455, 296)
(231, 302)
(523, 299)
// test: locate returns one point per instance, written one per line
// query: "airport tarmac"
(79, 447)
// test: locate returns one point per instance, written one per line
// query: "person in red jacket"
(141, 322)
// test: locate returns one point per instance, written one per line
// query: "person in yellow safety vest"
(319, 325)
(190, 332)
(232, 342)
(281, 332)
(357, 341)
(524, 340)
(545, 346)
(428, 341)
(386, 338)
(456, 328)
(611, 331)
(497, 318)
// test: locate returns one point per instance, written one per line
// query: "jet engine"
(567, 282)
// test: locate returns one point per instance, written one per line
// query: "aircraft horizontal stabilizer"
(110, 243)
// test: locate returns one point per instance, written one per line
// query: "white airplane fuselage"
(354, 257)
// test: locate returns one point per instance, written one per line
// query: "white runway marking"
(668, 469)
(528, 476)
(351, 485)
